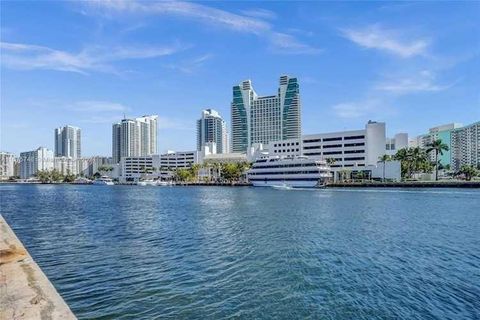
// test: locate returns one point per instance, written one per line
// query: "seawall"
(407, 184)
(25, 291)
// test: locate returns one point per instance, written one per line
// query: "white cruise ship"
(289, 172)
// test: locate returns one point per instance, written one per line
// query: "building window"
(359, 144)
(354, 137)
(332, 146)
(332, 139)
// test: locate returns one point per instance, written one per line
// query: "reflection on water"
(128, 252)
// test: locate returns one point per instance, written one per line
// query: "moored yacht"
(104, 180)
(147, 182)
(289, 172)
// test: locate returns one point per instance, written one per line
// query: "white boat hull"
(103, 183)
(288, 184)
(146, 183)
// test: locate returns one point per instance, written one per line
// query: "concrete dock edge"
(25, 291)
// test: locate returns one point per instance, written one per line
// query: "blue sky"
(413, 65)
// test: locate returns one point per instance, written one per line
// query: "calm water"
(210, 252)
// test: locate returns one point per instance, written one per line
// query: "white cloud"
(192, 65)
(425, 81)
(285, 43)
(99, 106)
(91, 59)
(360, 109)
(251, 23)
(95, 119)
(98, 112)
(260, 13)
(374, 37)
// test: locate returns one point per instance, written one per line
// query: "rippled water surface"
(127, 252)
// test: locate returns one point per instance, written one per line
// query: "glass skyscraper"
(68, 142)
(211, 128)
(261, 119)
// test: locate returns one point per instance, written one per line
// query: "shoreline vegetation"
(415, 162)
(349, 184)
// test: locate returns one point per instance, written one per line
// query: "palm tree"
(384, 159)
(402, 156)
(438, 147)
(194, 170)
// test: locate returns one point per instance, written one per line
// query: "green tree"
(182, 174)
(56, 176)
(403, 156)
(468, 172)
(43, 176)
(194, 169)
(413, 160)
(438, 147)
(69, 178)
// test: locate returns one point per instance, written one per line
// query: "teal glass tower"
(261, 119)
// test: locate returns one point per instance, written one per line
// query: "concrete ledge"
(25, 291)
(407, 184)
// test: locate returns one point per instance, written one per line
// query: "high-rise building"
(465, 146)
(134, 137)
(211, 128)
(442, 132)
(7, 165)
(261, 119)
(68, 142)
(33, 161)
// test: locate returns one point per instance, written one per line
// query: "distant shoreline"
(406, 184)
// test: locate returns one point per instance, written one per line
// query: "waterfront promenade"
(25, 291)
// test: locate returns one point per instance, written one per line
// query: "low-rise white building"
(346, 148)
(180, 159)
(354, 150)
(33, 161)
(87, 167)
(132, 169)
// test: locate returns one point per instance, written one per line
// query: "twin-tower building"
(262, 119)
(254, 120)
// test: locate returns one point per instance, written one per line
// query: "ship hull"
(290, 183)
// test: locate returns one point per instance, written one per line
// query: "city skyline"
(99, 60)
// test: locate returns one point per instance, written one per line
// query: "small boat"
(29, 180)
(81, 180)
(164, 183)
(148, 182)
(103, 181)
